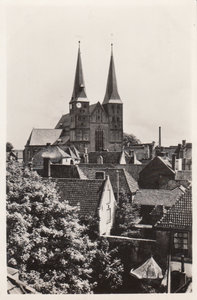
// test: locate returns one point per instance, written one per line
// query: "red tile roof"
(179, 216)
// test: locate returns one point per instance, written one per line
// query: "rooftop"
(179, 216)
(40, 137)
(156, 197)
(85, 193)
(126, 181)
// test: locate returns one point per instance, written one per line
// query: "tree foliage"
(44, 237)
(127, 214)
(9, 147)
(130, 139)
(47, 242)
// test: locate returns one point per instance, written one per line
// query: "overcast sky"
(152, 53)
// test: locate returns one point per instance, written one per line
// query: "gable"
(98, 114)
(157, 165)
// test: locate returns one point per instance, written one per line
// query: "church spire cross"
(79, 92)
(112, 94)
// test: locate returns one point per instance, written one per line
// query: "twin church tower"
(96, 127)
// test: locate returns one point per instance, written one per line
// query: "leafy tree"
(9, 147)
(106, 265)
(127, 214)
(44, 238)
(54, 250)
(130, 139)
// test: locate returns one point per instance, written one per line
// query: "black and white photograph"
(98, 147)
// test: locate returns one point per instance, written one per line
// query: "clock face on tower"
(78, 104)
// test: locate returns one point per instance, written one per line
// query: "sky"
(153, 43)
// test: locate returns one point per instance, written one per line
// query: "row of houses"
(160, 188)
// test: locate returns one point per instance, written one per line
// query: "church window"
(99, 143)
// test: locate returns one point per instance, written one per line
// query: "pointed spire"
(79, 84)
(112, 95)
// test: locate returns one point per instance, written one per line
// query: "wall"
(107, 203)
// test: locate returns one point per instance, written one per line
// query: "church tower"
(79, 109)
(114, 108)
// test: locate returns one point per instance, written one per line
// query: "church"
(96, 127)
(88, 127)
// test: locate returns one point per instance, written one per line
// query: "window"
(99, 144)
(180, 243)
(108, 215)
(108, 192)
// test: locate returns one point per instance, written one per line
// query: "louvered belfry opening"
(99, 140)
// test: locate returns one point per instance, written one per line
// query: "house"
(174, 235)
(93, 197)
(140, 151)
(154, 202)
(38, 140)
(56, 155)
(121, 180)
(105, 157)
(156, 173)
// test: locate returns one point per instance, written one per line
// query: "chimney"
(100, 175)
(118, 185)
(159, 136)
(174, 162)
(134, 157)
(47, 167)
(86, 157)
(183, 143)
(100, 160)
(48, 144)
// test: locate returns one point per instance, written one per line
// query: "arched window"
(99, 142)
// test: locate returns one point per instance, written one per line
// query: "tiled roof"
(54, 152)
(134, 170)
(87, 193)
(183, 175)
(149, 270)
(179, 216)
(155, 197)
(126, 181)
(16, 286)
(64, 121)
(108, 157)
(40, 137)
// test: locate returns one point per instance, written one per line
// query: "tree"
(127, 214)
(44, 238)
(54, 251)
(9, 147)
(106, 265)
(130, 139)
